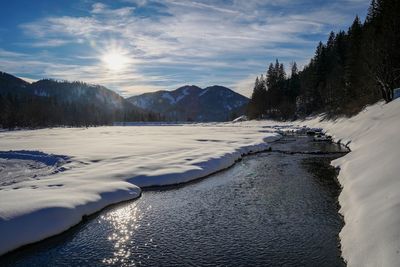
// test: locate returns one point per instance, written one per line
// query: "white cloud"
(50, 43)
(211, 40)
(102, 9)
(245, 86)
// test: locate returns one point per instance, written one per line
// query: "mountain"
(79, 92)
(192, 103)
(11, 84)
(51, 103)
(62, 103)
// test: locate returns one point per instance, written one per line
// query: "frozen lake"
(269, 209)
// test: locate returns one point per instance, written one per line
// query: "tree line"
(352, 69)
(49, 103)
(30, 111)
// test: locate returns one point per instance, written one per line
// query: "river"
(276, 208)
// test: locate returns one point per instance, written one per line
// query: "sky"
(138, 46)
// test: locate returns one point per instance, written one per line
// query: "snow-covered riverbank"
(83, 170)
(370, 177)
(80, 171)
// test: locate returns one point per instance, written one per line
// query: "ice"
(106, 165)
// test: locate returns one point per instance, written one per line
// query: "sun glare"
(115, 60)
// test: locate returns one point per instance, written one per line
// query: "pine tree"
(372, 11)
(383, 31)
(257, 104)
(294, 83)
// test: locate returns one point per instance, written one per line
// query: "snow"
(41, 93)
(169, 97)
(240, 119)
(105, 165)
(17, 166)
(370, 177)
(143, 102)
(172, 100)
(182, 96)
(203, 92)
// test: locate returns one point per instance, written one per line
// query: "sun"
(115, 60)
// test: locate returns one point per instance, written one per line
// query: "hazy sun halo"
(115, 60)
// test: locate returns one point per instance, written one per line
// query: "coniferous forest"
(352, 69)
(48, 103)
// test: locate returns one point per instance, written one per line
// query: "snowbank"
(106, 165)
(18, 166)
(370, 176)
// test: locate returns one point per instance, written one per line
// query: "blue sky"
(137, 46)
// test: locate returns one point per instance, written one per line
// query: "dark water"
(270, 209)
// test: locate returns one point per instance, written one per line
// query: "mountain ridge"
(192, 103)
(50, 102)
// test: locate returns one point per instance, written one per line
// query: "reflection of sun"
(123, 224)
(115, 59)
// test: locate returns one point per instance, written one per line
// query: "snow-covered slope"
(80, 171)
(214, 103)
(370, 177)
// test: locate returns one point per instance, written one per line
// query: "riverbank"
(107, 165)
(369, 175)
(116, 157)
(269, 209)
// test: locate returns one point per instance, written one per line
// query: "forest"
(50, 103)
(354, 68)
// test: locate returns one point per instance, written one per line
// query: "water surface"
(270, 209)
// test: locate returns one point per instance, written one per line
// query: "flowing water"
(276, 208)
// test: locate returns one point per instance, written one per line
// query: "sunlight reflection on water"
(125, 222)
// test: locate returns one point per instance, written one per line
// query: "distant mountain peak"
(190, 102)
(194, 87)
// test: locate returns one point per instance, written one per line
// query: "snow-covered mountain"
(192, 103)
(49, 102)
